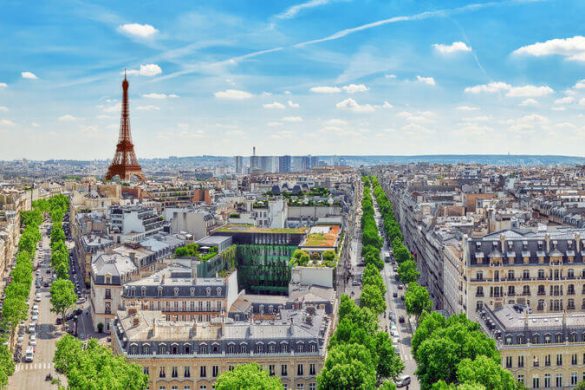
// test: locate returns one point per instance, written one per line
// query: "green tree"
(300, 258)
(6, 365)
(428, 323)
(387, 385)
(247, 376)
(389, 363)
(401, 253)
(580, 386)
(93, 366)
(373, 299)
(485, 371)
(371, 275)
(63, 296)
(348, 366)
(407, 272)
(417, 300)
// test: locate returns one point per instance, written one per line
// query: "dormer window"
(176, 291)
(108, 279)
(218, 290)
(160, 291)
(143, 291)
(208, 291)
(192, 291)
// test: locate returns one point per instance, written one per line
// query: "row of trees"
(15, 308)
(454, 353)
(89, 365)
(63, 295)
(360, 356)
(417, 297)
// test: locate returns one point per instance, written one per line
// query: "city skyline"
(319, 77)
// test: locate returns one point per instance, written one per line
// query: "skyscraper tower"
(125, 164)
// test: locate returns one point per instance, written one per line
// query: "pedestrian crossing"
(33, 366)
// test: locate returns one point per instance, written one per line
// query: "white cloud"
(292, 104)
(492, 87)
(274, 124)
(521, 91)
(3, 85)
(115, 108)
(35, 124)
(159, 96)
(466, 108)
(67, 118)
(6, 123)
(580, 84)
(138, 30)
(529, 103)
(530, 91)
(426, 80)
(3, 109)
(147, 70)
(390, 76)
(232, 94)
(572, 49)
(325, 90)
(28, 75)
(265, 93)
(292, 119)
(565, 100)
(352, 105)
(455, 47)
(387, 105)
(148, 108)
(417, 117)
(527, 123)
(582, 102)
(274, 106)
(353, 88)
(291, 12)
(282, 134)
(335, 122)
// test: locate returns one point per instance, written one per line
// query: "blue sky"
(319, 76)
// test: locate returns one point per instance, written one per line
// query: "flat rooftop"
(236, 228)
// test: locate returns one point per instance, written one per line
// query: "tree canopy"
(63, 296)
(247, 376)
(417, 300)
(91, 366)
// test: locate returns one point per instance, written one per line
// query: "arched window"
(243, 348)
(162, 349)
(174, 349)
(192, 291)
(573, 337)
(558, 338)
(146, 349)
(218, 290)
(143, 291)
(208, 291)
(313, 347)
(535, 339)
(231, 348)
(259, 348)
(271, 348)
(176, 291)
(203, 349)
(160, 291)
(547, 338)
(300, 347)
(284, 348)
(133, 349)
(187, 349)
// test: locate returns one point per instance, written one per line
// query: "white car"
(35, 317)
(29, 356)
(32, 340)
(32, 328)
(38, 297)
(20, 339)
(35, 307)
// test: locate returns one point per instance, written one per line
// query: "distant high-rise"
(284, 164)
(239, 164)
(125, 164)
(254, 162)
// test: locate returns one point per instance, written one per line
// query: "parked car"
(35, 317)
(401, 319)
(32, 340)
(81, 300)
(400, 287)
(394, 294)
(37, 297)
(403, 380)
(46, 284)
(32, 328)
(20, 339)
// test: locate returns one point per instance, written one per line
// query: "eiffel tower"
(125, 164)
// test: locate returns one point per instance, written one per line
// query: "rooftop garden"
(194, 250)
(302, 258)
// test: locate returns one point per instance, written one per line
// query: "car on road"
(30, 354)
(394, 294)
(32, 340)
(403, 380)
(402, 297)
(37, 297)
(20, 339)
(400, 287)
(48, 271)
(81, 300)
(401, 319)
(35, 317)
(46, 284)
(32, 328)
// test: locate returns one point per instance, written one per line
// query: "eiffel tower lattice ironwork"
(125, 164)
